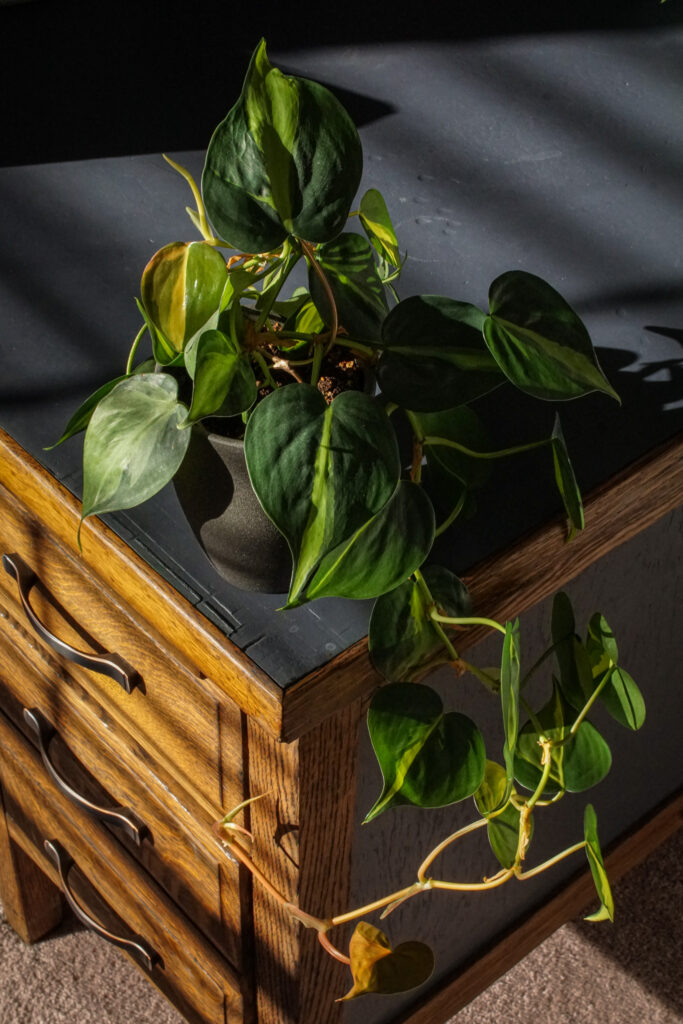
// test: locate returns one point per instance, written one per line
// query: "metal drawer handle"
(111, 665)
(136, 945)
(121, 817)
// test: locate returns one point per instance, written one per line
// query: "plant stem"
(537, 664)
(489, 682)
(134, 348)
(450, 519)
(203, 222)
(467, 621)
(587, 706)
(430, 606)
(444, 442)
(332, 950)
(492, 883)
(430, 858)
(416, 468)
(377, 905)
(308, 251)
(547, 762)
(265, 369)
(523, 875)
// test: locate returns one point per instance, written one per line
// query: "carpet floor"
(627, 973)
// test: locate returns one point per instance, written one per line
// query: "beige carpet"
(627, 973)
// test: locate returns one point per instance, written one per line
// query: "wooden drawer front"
(175, 716)
(190, 972)
(178, 850)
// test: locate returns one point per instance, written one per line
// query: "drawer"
(175, 846)
(180, 961)
(177, 718)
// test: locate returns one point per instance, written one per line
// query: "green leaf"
(224, 383)
(462, 425)
(427, 758)
(306, 320)
(509, 696)
(286, 160)
(623, 699)
(181, 288)
(503, 826)
(377, 225)
(492, 792)
(402, 638)
(434, 356)
(576, 681)
(133, 446)
(320, 472)
(597, 866)
(579, 764)
(382, 552)
(80, 419)
(349, 266)
(566, 481)
(375, 967)
(601, 645)
(539, 342)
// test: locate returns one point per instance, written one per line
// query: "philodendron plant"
(230, 345)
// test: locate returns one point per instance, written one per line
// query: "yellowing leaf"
(375, 967)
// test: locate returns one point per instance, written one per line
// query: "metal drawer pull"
(121, 817)
(111, 665)
(137, 946)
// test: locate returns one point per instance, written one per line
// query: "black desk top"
(558, 154)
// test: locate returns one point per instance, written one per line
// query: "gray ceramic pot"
(216, 495)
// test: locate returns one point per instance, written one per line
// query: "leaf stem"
(203, 222)
(409, 890)
(523, 875)
(430, 605)
(430, 858)
(587, 706)
(446, 443)
(332, 950)
(134, 348)
(308, 251)
(472, 620)
(450, 519)
(492, 883)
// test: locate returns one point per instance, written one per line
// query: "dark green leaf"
(381, 553)
(462, 425)
(402, 638)
(377, 225)
(349, 266)
(133, 444)
(576, 681)
(566, 481)
(428, 758)
(579, 764)
(503, 833)
(375, 967)
(509, 696)
(81, 418)
(434, 355)
(320, 472)
(286, 160)
(224, 383)
(597, 866)
(539, 342)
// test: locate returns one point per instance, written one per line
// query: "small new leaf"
(597, 866)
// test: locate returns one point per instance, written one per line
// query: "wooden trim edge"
(625, 853)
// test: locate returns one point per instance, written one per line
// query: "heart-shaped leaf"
(597, 866)
(375, 967)
(402, 638)
(427, 758)
(133, 444)
(377, 225)
(224, 383)
(601, 645)
(566, 481)
(462, 425)
(577, 765)
(349, 266)
(509, 697)
(539, 342)
(576, 679)
(181, 288)
(320, 471)
(286, 160)
(381, 553)
(503, 825)
(434, 356)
